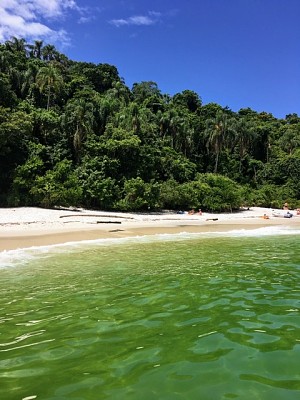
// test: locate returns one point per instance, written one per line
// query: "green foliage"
(100, 190)
(46, 126)
(72, 133)
(78, 121)
(221, 193)
(274, 196)
(15, 133)
(15, 128)
(138, 195)
(8, 97)
(26, 174)
(188, 99)
(101, 77)
(176, 166)
(176, 196)
(58, 187)
(209, 192)
(142, 91)
(49, 81)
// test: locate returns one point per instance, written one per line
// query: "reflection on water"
(209, 319)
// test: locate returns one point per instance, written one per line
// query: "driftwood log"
(95, 215)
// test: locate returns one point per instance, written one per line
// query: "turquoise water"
(168, 317)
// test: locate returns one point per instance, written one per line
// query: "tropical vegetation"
(73, 134)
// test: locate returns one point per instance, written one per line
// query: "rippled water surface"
(214, 318)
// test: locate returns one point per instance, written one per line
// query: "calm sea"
(187, 316)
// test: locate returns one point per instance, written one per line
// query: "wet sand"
(27, 227)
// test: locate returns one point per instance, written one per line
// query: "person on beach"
(265, 216)
(285, 206)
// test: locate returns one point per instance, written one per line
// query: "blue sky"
(237, 53)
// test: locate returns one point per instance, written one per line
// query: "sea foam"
(23, 256)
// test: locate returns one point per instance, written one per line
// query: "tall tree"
(16, 44)
(49, 79)
(49, 53)
(29, 77)
(216, 131)
(244, 136)
(79, 120)
(143, 90)
(290, 139)
(35, 50)
(188, 99)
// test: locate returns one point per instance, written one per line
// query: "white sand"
(27, 226)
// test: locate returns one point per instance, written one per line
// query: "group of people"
(192, 212)
(288, 214)
(285, 207)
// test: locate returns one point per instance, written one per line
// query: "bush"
(58, 187)
(219, 193)
(139, 195)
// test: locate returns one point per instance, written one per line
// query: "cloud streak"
(30, 18)
(138, 20)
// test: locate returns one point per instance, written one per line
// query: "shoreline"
(26, 227)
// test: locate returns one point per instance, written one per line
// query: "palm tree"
(215, 132)
(163, 120)
(135, 118)
(49, 52)
(79, 117)
(29, 77)
(16, 44)
(290, 140)
(120, 92)
(174, 126)
(5, 60)
(187, 146)
(48, 78)
(244, 136)
(16, 79)
(36, 49)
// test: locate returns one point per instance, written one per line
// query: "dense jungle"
(73, 134)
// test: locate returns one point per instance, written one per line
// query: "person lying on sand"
(265, 216)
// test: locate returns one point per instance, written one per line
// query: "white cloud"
(85, 19)
(119, 22)
(142, 20)
(29, 19)
(155, 14)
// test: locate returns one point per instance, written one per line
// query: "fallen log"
(109, 222)
(95, 215)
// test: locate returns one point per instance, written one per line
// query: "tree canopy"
(73, 134)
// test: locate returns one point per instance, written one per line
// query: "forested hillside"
(73, 134)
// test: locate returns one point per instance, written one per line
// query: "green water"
(188, 319)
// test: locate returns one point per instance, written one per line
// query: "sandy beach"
(30, 226)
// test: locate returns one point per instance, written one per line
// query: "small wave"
(27, 345)
(23, 256)
(265, 231)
